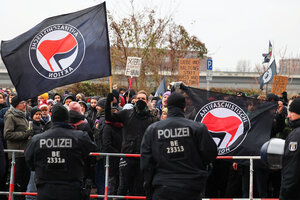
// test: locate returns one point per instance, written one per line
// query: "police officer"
(174, 155)
(290, 182)
(57, 157)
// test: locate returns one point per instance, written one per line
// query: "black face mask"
(140, 105)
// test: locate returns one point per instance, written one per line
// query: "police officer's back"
(57, 158)
(174, 154)
(290, 182)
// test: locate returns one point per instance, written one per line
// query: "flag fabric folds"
(267, 56)
(238, 125)
(268, 75)
(59, 51)
(162, 88)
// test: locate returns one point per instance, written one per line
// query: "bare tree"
(158, 41)
(243, 66)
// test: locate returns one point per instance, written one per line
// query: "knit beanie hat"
(34, 110)
(50, 101)
(166, 93)
(15, 101)
(69, 97)
(83, 103)
(295, 106)
(59, 113)
(176, 100)
(75, 106)
(45, 96)
(101, 102)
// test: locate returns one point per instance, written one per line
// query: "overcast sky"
(232, 30)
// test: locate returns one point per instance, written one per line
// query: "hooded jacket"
(15, 126)
(134, 126)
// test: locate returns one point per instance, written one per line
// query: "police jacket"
(175, 152)
(134, 126)
(57, 155)
(290, 182)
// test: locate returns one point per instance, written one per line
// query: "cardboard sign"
(279, 84)
(188, 71)
(133, 66)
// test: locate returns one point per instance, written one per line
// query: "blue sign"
(209, 64)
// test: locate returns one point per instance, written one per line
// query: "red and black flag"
(59, 51)
(238, 125)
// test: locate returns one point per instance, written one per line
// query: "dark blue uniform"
(290, 183)
(57, 156)
(174, 155)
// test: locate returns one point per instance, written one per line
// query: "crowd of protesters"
(117, 123)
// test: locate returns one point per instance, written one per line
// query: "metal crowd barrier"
(11, 191)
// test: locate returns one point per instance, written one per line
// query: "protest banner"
(188, 71)
(279, 84)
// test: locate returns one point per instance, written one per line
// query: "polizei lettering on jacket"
(173, 133)
(56, 143)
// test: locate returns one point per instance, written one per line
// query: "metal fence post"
(106, 177)
(12, 177)
(251, 180)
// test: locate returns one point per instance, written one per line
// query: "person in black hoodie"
(57, 98)
(78, 121)
(36, 128)
(112, 142)
(98, 132)
(92, 113)
(135, 122)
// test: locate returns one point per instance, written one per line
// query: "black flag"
(238, 125)
(267, 56)
(60, 50)
(268, 75)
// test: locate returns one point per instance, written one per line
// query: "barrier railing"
(11, 191)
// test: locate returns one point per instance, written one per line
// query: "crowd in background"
(116, 130)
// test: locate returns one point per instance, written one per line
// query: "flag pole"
(110, 84)
(129, 88)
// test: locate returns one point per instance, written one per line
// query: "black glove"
(183, 87)
(110, 97)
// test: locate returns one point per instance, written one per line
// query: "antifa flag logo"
(267, 75)
(57, 51)
(227, 123)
